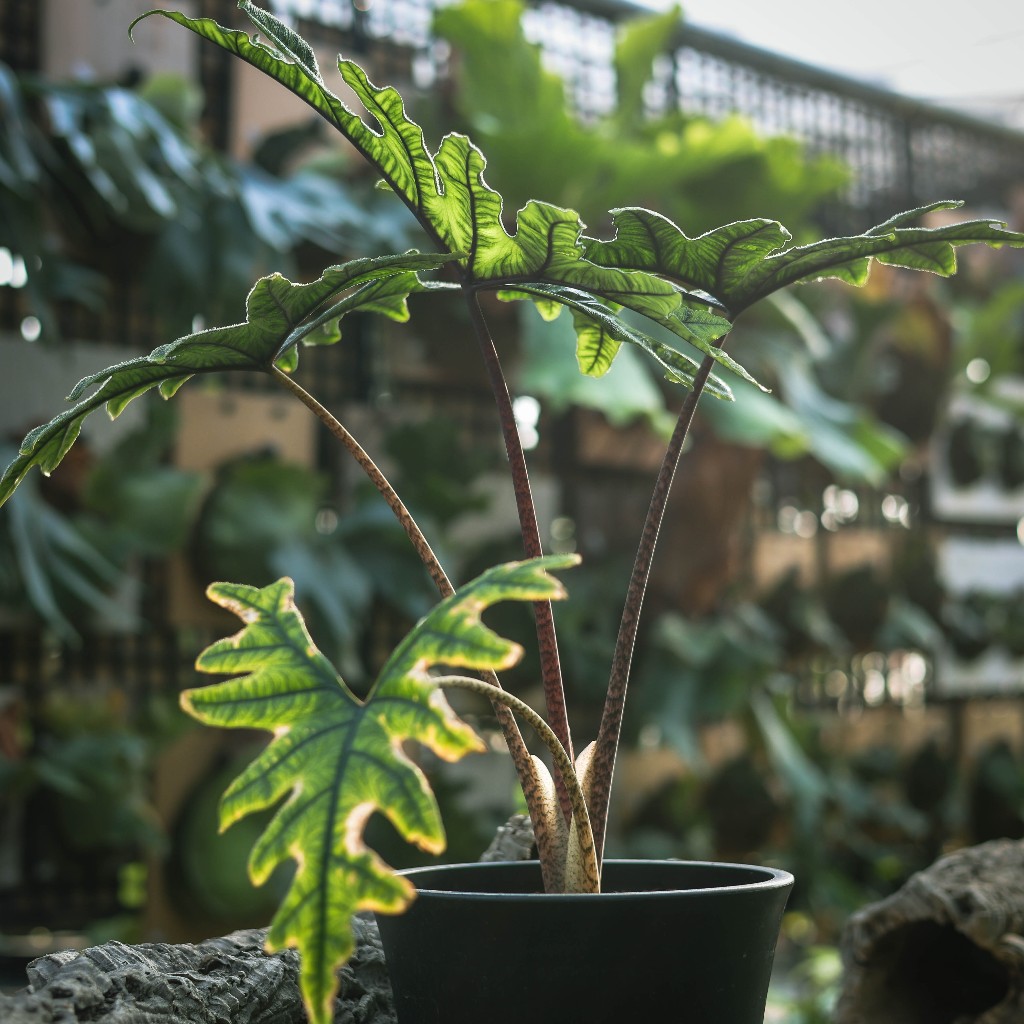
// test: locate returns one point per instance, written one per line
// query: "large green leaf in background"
(697, 172)
(124, 150)
(275, 313)
(337, 760)
(640, 42)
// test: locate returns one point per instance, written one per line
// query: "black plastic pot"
(665, 942)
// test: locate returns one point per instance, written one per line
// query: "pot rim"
(775, 878)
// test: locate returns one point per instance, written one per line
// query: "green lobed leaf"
(448, 193)
(596, 345)
(645, 240)
(740, 263)
(599, 329)
(277, 313)
(397, 149)
(893, 243)
(548, 248)
(335, 760)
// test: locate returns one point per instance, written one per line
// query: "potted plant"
(694, 936)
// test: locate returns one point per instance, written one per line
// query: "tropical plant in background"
(696, 172)
(693, 170)
(79, 757)
(334, 759)
(88, 171)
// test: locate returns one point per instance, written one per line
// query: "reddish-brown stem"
(563, 766)
(376, 477)
(602, 766)
(510, 729)
(547, 642)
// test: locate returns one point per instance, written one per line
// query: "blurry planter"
(666, 940)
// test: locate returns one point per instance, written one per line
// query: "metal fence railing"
(902, 152)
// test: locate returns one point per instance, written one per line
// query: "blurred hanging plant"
(50, 565)
(85, 167)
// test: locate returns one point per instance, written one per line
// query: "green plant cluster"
(76, 805)
(92, 171)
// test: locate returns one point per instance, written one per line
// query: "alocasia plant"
(335, 760)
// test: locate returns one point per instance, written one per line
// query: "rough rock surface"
(512, 841)
(228, 980)
(947, 948)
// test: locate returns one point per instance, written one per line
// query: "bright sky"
(955, 52)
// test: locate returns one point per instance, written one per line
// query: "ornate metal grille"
(901, 152)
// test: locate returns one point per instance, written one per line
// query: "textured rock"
(947, 948)
(229, 980)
